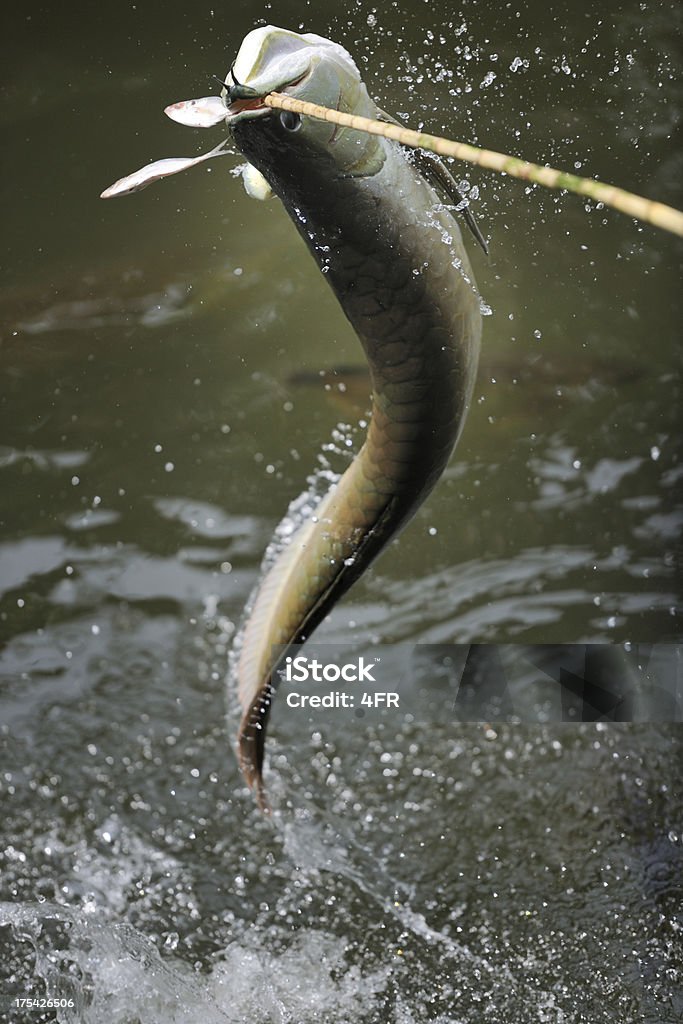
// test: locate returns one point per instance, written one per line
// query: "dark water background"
(162, 403)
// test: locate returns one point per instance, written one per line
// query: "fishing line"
(647, 210)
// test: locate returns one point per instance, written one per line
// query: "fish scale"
(393, 255)
(410, 297)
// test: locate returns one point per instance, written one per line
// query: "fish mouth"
(241, 109)
(243, 103)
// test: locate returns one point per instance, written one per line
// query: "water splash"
(106, 973)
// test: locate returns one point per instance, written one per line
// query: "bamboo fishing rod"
(647, 210)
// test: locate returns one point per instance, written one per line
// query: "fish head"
(285, 151)
(306, 67)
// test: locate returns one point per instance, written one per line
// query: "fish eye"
(290, 121)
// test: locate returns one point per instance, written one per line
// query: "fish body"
(159, 169)
(201, 113)
(394, 257)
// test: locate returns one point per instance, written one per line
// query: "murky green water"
(161, 405)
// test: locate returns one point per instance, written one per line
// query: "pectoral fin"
(435, 170)
(255, 185)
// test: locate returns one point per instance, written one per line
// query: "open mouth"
(241, 106)
(236, 103)
(250, 107)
